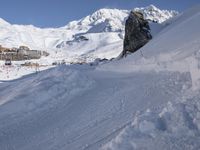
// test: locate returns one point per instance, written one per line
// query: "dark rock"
(80, 38)
(105, 26)
(137, 33)
(76, 39)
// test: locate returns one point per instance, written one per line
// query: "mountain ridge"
(102, 28)
(100, 14)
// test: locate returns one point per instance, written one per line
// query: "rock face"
(137, 32)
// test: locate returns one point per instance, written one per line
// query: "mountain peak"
(101, 16)
(155, 14)
(112, 20)
(102, 20)
(3, 22)
(152, 7)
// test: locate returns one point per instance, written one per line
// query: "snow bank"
(176, 126)
(44, 89)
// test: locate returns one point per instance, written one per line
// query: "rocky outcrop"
(76, 39)
(137, 32)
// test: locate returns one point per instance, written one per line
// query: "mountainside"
(176, 125)
(111, 20)
(103, 29)
(148, 100)
(116, 18)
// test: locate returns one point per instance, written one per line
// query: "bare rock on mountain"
(137, 32)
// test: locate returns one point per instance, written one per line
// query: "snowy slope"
(176, 125)
(78, 108)
(175, 48)
(103, 20)
(93, 27)
(145, 101)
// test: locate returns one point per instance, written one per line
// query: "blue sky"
(57, 13)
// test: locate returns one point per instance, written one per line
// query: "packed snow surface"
(149, 100)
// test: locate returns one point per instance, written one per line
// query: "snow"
(176, 126)
(104, 30)
(153, 13)
(148, 100)
(74, 109)
(16, 70)
(175, 48)
(113, 17)
(3, 23)
(104, 25)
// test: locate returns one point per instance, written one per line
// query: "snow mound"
(176, 126)
(58, 82)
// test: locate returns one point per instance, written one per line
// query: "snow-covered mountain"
(108, 20)
(148, 100)
(103, 30)
(113, 20)
(152, 13)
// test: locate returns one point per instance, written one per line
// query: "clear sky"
(57, 13)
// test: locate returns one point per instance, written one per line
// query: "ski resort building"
(21, 53)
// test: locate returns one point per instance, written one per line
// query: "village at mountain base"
(21, 53)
